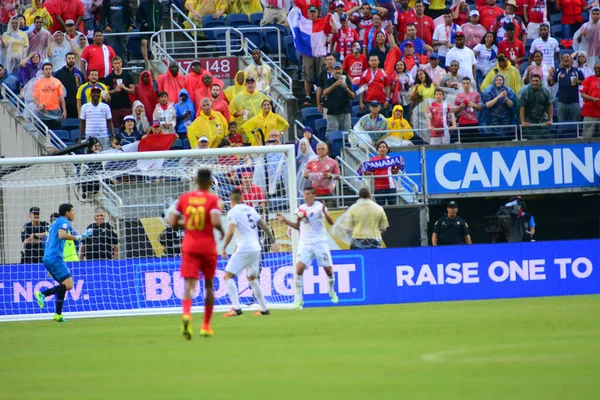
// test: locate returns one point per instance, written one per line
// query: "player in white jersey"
(313, 242)
(244, 222)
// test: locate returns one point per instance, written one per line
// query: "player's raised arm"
(295, 225)
(63, 235)
(327, 216)
(267, 229)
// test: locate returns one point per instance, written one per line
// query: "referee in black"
(451, 229)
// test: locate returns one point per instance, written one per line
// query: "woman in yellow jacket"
(267, 121)
(37, 9)
(209, 123)
(396, 124)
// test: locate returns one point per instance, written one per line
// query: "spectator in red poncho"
(172, 82)
(145, 92)
(63, 10)
(193, 79)
(202, 90)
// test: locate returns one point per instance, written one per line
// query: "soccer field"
(543, 348)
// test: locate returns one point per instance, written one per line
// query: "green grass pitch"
(543, 348)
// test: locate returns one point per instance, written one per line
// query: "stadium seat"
(290, 50)
(556, 31)
(209, 22)
(234, 39)
(134, 46)
(70, 123)
(523, 67)
(62, 135)
(528, 45)
(270, 39)
(357, 112)
(256, 18)
(74, 135)
(309, 115)
(555, 19)
(236, 20)
(186, 144)
(321, 128)
(336, 140)
(586, 16)
(253, 35)
(354, 121)
(417, 140)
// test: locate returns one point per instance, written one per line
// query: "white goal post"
(130, 266)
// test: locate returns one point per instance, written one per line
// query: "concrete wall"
(15, 140)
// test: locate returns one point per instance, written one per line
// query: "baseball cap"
(203, 139)
(195, 62)
(312, 8)
(129, 118)
(69, 22)
(596, 8)
(34, 210)
(155, 123)
(452, 204)
(501, 57)
(247, 173)
(54, 215)
(474, 12)
(459, 34)
(343, 17)
(250, 79)
(435, 55)
(409, 43)
(96, 88)
(337, 64)
(547, 25)
(374, 103)
(307, 129)
(339, 4)
(509, 27)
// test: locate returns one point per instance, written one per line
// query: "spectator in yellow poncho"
(238, 86)
(398, 123)
(37, 9)
(209, 123)
(512, 76)
(198, 8)
(244, 7)
(246, 104)
(267, 121)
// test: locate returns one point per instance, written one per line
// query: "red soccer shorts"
(192, 264)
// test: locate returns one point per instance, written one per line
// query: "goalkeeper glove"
(88, 232)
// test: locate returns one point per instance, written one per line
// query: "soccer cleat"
(40, 299)
(186, 327)
(334, 297)
(259, 313)
(206, 331)
(232, 313)
(298, 305)
(59, 318)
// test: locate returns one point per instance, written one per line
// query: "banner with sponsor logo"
(518, 168)
(383, 276)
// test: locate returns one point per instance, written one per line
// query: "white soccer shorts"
(249, 260)
(320, 250)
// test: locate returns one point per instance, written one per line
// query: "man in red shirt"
(63, 10)
(375, 85)
(513, 48)
(341, 43)
(252, 194)
(590, 92)
(466, 105)
(201, 211)
(355, 64)
(98, 56)
(534, 14)
(402, 17)
(425, 25)
(488, 14)
(370, 34)
(437, 118)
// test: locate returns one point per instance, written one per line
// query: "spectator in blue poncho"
(185, 113)
(500, 108)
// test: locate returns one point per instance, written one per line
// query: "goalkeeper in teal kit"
(54, 258)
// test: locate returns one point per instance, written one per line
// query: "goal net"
(130, 266)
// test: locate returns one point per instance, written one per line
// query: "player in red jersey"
(201, 211)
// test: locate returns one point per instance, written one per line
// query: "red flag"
(164, 141)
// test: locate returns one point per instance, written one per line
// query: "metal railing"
(45, 136)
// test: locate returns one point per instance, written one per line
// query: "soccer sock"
(208, 310)
(299, 284)
(233, 294)
(258, 293)
(331, 282)
(60, 298)
(51, 291)
(187, 306)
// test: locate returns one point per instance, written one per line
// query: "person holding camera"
(337, 94)
(451, 229)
